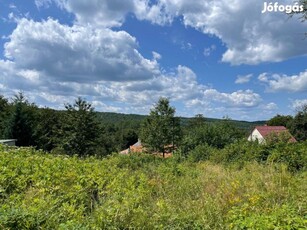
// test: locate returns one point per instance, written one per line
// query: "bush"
(238, 152)
(293, 155)
(285, 217)
(201, 153)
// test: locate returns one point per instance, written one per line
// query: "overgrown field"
(44, 191)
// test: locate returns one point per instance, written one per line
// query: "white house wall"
(255, 135)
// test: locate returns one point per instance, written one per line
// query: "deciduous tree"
(280, 120)
(298, 126)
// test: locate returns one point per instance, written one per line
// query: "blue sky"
(216, 57)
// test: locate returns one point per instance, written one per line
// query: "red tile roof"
(266, 130)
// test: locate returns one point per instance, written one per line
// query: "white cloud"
(243, 79)
(270, 106)
(42, 3)
(297, 104)
(250, 36)
(156, 56)
(276, 82)
(181, 87)
(12, 6)
(209, 50)
(80, 54)
(238, 99)
(106, 13)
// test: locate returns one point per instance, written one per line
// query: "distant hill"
(120, 118)
(108, 117)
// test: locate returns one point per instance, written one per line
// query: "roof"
(8, 140)
(138, 144)
(266, 130)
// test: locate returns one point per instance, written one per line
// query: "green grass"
(44, 191)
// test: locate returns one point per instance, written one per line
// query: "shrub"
(293, 155)
(201, 153)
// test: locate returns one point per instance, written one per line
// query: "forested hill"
(115, 118)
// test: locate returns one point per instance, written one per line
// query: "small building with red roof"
(260, 133)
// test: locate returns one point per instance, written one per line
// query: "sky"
(212, 57)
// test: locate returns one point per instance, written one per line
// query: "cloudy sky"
(214, 57)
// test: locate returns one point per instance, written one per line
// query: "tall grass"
(39, 190)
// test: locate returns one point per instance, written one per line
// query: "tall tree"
(198, 120)
(80, 131)
(21, 121)
(3, 114)
(280, 120)
(217, 134)
(161, 128)
(298, 126)
(47, 128)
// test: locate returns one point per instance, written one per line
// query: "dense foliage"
(20, 121)
(280, 120)
(298, 125)
(77, 130)
(217, 135)
(80, 132)
(44, 191)
(161, 128)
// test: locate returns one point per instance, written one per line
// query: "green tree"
(198, 120)
(47, 128)
(280, 120)
(80, 129)
(21, 121)
(107, 140)
(4, 105)
(217, 134)
(298, 126)
(129, 137)
(160, 128)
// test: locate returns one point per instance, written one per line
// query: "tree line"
(79, 130)
(75, 130)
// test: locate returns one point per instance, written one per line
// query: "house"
(260, 133)
(136, 148)
(9, 142)
(139, 148)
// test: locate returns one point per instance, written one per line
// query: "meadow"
(47, 191)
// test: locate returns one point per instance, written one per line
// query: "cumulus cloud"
(106, 13)
(298, 104)
(241, 98)
(277, 82)
(250, 36)
(243, 79)
(270, 107)
(81, 54)
(180, 86)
